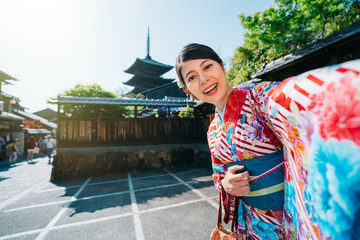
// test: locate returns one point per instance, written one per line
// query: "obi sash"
(266, 177)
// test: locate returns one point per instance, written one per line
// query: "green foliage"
(93, 90)
(285, 27)
(186, 113)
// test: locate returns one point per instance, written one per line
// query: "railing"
(91, 132)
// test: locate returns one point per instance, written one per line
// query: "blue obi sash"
(266, 174)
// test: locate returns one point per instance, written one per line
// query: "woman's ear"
(223, 68)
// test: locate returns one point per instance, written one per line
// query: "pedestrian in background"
(40, 145)
(12, 151)
(50, 146)
(30, 145)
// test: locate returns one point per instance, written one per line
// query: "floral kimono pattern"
(315, 119)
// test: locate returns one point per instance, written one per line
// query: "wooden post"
(136, 127)
(58, 133)
(98, 125)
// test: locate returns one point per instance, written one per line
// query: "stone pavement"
(172, 203)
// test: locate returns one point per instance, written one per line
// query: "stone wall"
(74, 163)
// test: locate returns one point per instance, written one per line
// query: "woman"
(30, 145)
(314, 117)
(238, 132)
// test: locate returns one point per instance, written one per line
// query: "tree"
(32, 124)
(93, 90)
(285, 27)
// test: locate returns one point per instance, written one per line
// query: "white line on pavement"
(61, 212)
(22, 194)
(102, 219)
(197, 192)
(174, 205)
(36, 205)
(138, 227)
(15, 235)
(91, 197)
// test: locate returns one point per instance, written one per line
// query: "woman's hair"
(191, 52)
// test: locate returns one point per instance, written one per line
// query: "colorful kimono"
(315, 119)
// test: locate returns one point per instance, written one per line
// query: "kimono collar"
(233, 106)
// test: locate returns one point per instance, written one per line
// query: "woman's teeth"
(209, 90)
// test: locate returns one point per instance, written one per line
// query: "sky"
(52, 45)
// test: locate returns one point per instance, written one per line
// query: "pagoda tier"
(145, 81)
(137, 90)
(149, 67)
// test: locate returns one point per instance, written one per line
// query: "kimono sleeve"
(228, 201)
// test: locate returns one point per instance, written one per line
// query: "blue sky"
(52, 45)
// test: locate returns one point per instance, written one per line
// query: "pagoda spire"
(148, 45)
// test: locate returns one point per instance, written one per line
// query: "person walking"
(30, 145)
(40, 145)
(49, 146)
(12, 152)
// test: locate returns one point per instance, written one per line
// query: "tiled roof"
(37, 131)
(4, 77)
(292, 58)
(33, 116)
(122, 101)
(158, 87)
(7, 115)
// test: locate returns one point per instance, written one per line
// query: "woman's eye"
(208, 66)
(191, 78)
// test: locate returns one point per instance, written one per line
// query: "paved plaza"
(172, 203)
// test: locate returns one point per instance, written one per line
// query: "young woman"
(305, 128)
(30, 145)
(237, 133)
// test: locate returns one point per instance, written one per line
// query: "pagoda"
(147, 78)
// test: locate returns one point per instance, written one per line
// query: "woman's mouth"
(210, 90)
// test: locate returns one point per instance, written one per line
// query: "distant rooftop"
(47, 113)
(7, 115)
(37, 131)
(4, 77)
(33, 117)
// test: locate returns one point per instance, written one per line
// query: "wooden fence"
(90, 132)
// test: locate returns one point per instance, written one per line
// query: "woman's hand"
(236, 184)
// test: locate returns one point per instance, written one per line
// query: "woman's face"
(206, 80)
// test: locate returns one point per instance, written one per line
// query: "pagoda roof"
(145, 81)
(137, 90)
(158, 87)
(148, 66)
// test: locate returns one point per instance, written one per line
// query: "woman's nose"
(203, 78)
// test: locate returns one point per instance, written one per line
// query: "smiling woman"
(202, 72)
(282, 148)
